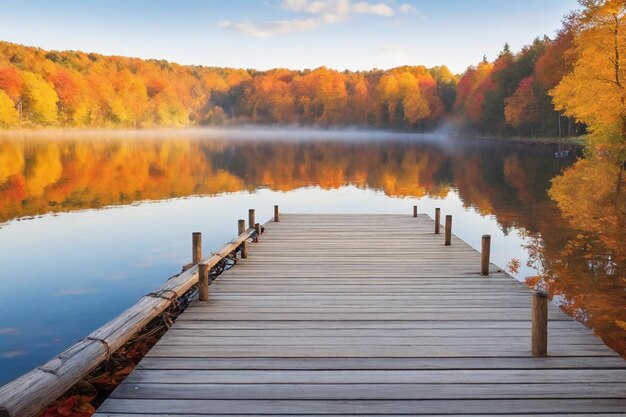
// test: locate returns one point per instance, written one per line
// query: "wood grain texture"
(369, 315)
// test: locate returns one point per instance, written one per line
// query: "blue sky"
(341, 34)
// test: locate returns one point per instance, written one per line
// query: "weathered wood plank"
(462, 376)
(365, 407)
(384, 363)
(392, 351)
(368, 324)
(387, 391)
(428, 315)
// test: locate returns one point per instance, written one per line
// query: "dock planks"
(368, 315)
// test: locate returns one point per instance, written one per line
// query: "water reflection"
(583, 265)
(41, 176)
(97, 263)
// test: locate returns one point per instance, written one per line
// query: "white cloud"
(380, 9)
(325, 12)
(317, 6)
(279, 27)
(295, 5)
(407, 8)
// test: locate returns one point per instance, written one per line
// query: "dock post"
(244, 245)
(257, 229)
(437, 220)
(203, 282)
(251, 220)
(539, 337)
(484, 255)
(448, 231)
(196, 247)
(414, 211)
(276, 214)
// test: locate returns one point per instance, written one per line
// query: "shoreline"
(538, 140)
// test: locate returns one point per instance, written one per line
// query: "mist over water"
(280, 133)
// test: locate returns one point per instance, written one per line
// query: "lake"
(90, 222)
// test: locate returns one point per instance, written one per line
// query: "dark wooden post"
(414, 211)
(276, 214)
(437, 220)
(484, 255)
(539, 337)
(257, 229)
(251, 220)
(196, 247)
(203, 282)
(244, 245)
(448, 231)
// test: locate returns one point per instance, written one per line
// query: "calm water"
(88, 224)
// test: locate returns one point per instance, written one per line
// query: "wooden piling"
(437, 220)
(203, 282)
(241, 226)
(448, 231)
(244, 245)
(276, 214)
(414, 211)
(257, 229)
(196, 247)
(484, 254)
(539, 336)
(251, 220)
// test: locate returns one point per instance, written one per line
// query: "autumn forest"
(49, 88)
(523, 93)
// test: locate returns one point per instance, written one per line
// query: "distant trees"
(511, 95)
(556, 87)
(76, 89)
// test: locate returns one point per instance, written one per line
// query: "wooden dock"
(368, 315)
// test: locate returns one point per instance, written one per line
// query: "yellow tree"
(39, 99)
(415, 106)
(595, 91)
(389, 92)
(8, 113)
(131, 98)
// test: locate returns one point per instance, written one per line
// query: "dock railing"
(30, 393)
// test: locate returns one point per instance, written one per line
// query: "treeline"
(570, 85)
(51, 88)
(511, 95)
(77, 89)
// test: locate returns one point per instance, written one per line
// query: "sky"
(295, 34)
